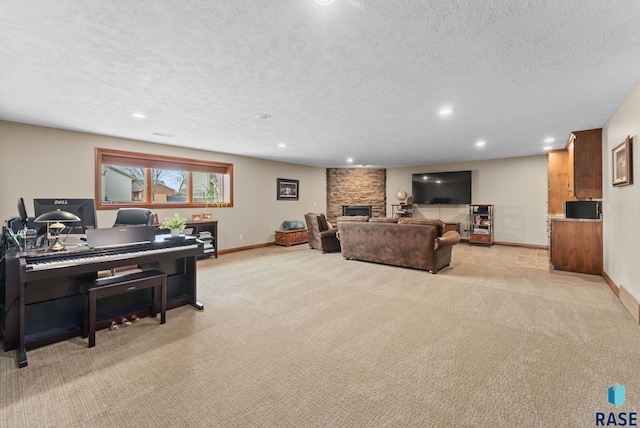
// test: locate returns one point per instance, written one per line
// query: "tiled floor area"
(533, 258)
(505, 254)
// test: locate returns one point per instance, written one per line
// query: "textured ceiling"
(361, 79)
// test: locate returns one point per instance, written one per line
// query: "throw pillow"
(293, 225)
(439, 224)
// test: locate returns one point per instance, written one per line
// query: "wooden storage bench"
(115, 285)
(291, 237)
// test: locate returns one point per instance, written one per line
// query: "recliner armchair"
(321, 236)
(133, 217)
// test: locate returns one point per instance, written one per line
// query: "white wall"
(621, 205)
(51, 163)
(516, 186)
(61, 164)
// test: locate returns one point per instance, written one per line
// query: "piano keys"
(44, 292)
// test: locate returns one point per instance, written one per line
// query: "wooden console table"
(291, 237)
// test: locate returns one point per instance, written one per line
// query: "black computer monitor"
(83, 208)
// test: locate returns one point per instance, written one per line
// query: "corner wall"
(516, 186)
(621, 205)
(55, 163)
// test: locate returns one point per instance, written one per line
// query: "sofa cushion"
(439, 224)
(384, 219)
(362, 218)
(322, 221)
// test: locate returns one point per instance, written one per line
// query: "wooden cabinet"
(207, 232)
(481, 224)
(586, 156)
(560, 177)
(576, 171)
(576, 245)
(451, 226)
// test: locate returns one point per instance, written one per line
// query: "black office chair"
(133, 217)
(16, 225)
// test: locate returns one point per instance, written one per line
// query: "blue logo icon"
(616, 395)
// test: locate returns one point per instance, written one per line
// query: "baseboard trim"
(612, 285)
(630, 302)
(248, 247)
(515, 244)
(627, 299)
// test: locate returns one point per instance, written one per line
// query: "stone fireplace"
(356, 187)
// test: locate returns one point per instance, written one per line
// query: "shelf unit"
(481, 224)
(401, 210)
(207, 232)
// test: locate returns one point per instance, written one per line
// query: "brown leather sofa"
(321, 236)
(414, 243)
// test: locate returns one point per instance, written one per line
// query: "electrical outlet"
(240, 237)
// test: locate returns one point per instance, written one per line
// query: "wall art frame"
(621, 163)
(288, 190)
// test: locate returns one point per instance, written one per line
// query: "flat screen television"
(444, 188)
(83, 208)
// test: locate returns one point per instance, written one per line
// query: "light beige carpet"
(293, 338)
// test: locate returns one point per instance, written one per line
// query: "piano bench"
(115, 285)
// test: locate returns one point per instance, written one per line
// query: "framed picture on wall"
(288, 189)
(621, 163)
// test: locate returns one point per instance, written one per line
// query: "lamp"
(57, 217)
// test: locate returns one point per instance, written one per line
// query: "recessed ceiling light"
(138, 115)
(547, 148)
(349, 160)
(263, 116)
(445, 111)
(480, 144)
(282, 145)
(324, 2)
(549, 140)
